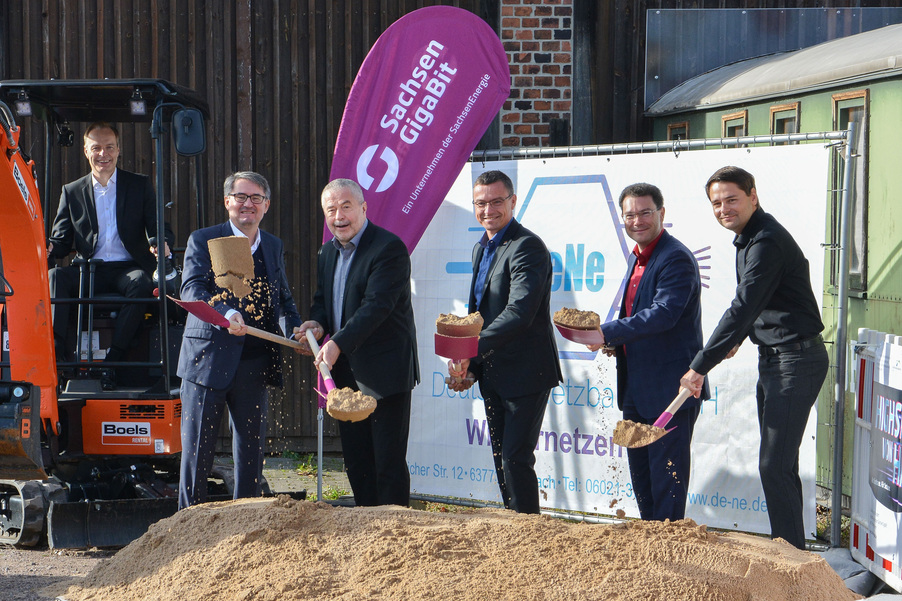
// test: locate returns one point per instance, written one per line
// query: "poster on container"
(421, 101)
(876, 536)
(572, 204)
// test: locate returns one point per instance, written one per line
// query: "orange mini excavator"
(81, 465)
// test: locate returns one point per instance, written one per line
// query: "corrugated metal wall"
(276, 75)
(609, 78)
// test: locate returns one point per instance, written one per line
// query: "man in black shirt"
(776, 308)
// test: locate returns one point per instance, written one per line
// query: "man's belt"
(790, 347)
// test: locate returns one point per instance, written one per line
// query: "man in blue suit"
(657, 334)
(222, 367)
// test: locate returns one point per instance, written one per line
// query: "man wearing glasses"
(517, 361)
(658, 332)
(221, 367)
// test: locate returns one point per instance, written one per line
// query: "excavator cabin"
(81, 464)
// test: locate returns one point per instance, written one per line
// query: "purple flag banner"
(422, 99)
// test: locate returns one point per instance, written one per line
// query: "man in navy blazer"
(108, 214)
(363, 301)
(657, 334)
(222, 367)
(517, 361)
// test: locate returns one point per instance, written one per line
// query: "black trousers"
(125, 278)
(514, 425)
(660, 471)
(788, 385)
(375, 453)
(202, 409)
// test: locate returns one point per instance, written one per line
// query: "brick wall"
(537, 35)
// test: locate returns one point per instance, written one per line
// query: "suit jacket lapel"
(121, 195)
(87, 199)
(648, 277)
(500, 250)
(630, 264)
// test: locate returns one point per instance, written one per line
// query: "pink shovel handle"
(323, 369)
(672, 408)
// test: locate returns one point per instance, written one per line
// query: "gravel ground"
(26, 573)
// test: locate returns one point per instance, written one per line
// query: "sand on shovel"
(574, 318)
(285, 550)
(629, 434)
(233, 265)
(456, 326)
(347, 405)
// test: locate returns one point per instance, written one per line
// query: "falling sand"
(233, 265)
(280, 549)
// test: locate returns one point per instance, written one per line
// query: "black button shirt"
(774, 303)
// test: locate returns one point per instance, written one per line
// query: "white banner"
(572, 204)
(876, 536)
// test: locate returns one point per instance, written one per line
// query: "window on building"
(678, 131)
(735, 124)
(848, 107)
(784, 119)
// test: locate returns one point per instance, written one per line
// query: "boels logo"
(125, 433)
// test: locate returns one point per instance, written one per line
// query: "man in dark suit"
(658, 332)
(108, 214)
(363, 301)
(222, 367)
(517, 362)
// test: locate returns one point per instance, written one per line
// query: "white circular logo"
(388, 157)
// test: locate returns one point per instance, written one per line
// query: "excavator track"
(23, 505)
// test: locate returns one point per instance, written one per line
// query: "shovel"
(674, 406)
(330, 384)
(323, 368)
(632, 435)
(208, 314)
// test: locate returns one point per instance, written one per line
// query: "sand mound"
(264, 549)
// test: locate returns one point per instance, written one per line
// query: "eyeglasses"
(254, 198)
(630, 217)
(494, 203)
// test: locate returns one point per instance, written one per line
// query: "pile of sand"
(281, 549)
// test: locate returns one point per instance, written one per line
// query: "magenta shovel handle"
(323, 370)
(672, 408)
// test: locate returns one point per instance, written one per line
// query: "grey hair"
(251, 176)
(343, 183)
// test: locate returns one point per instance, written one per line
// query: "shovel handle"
(252, 331)
(323, 368)
(673, 407)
